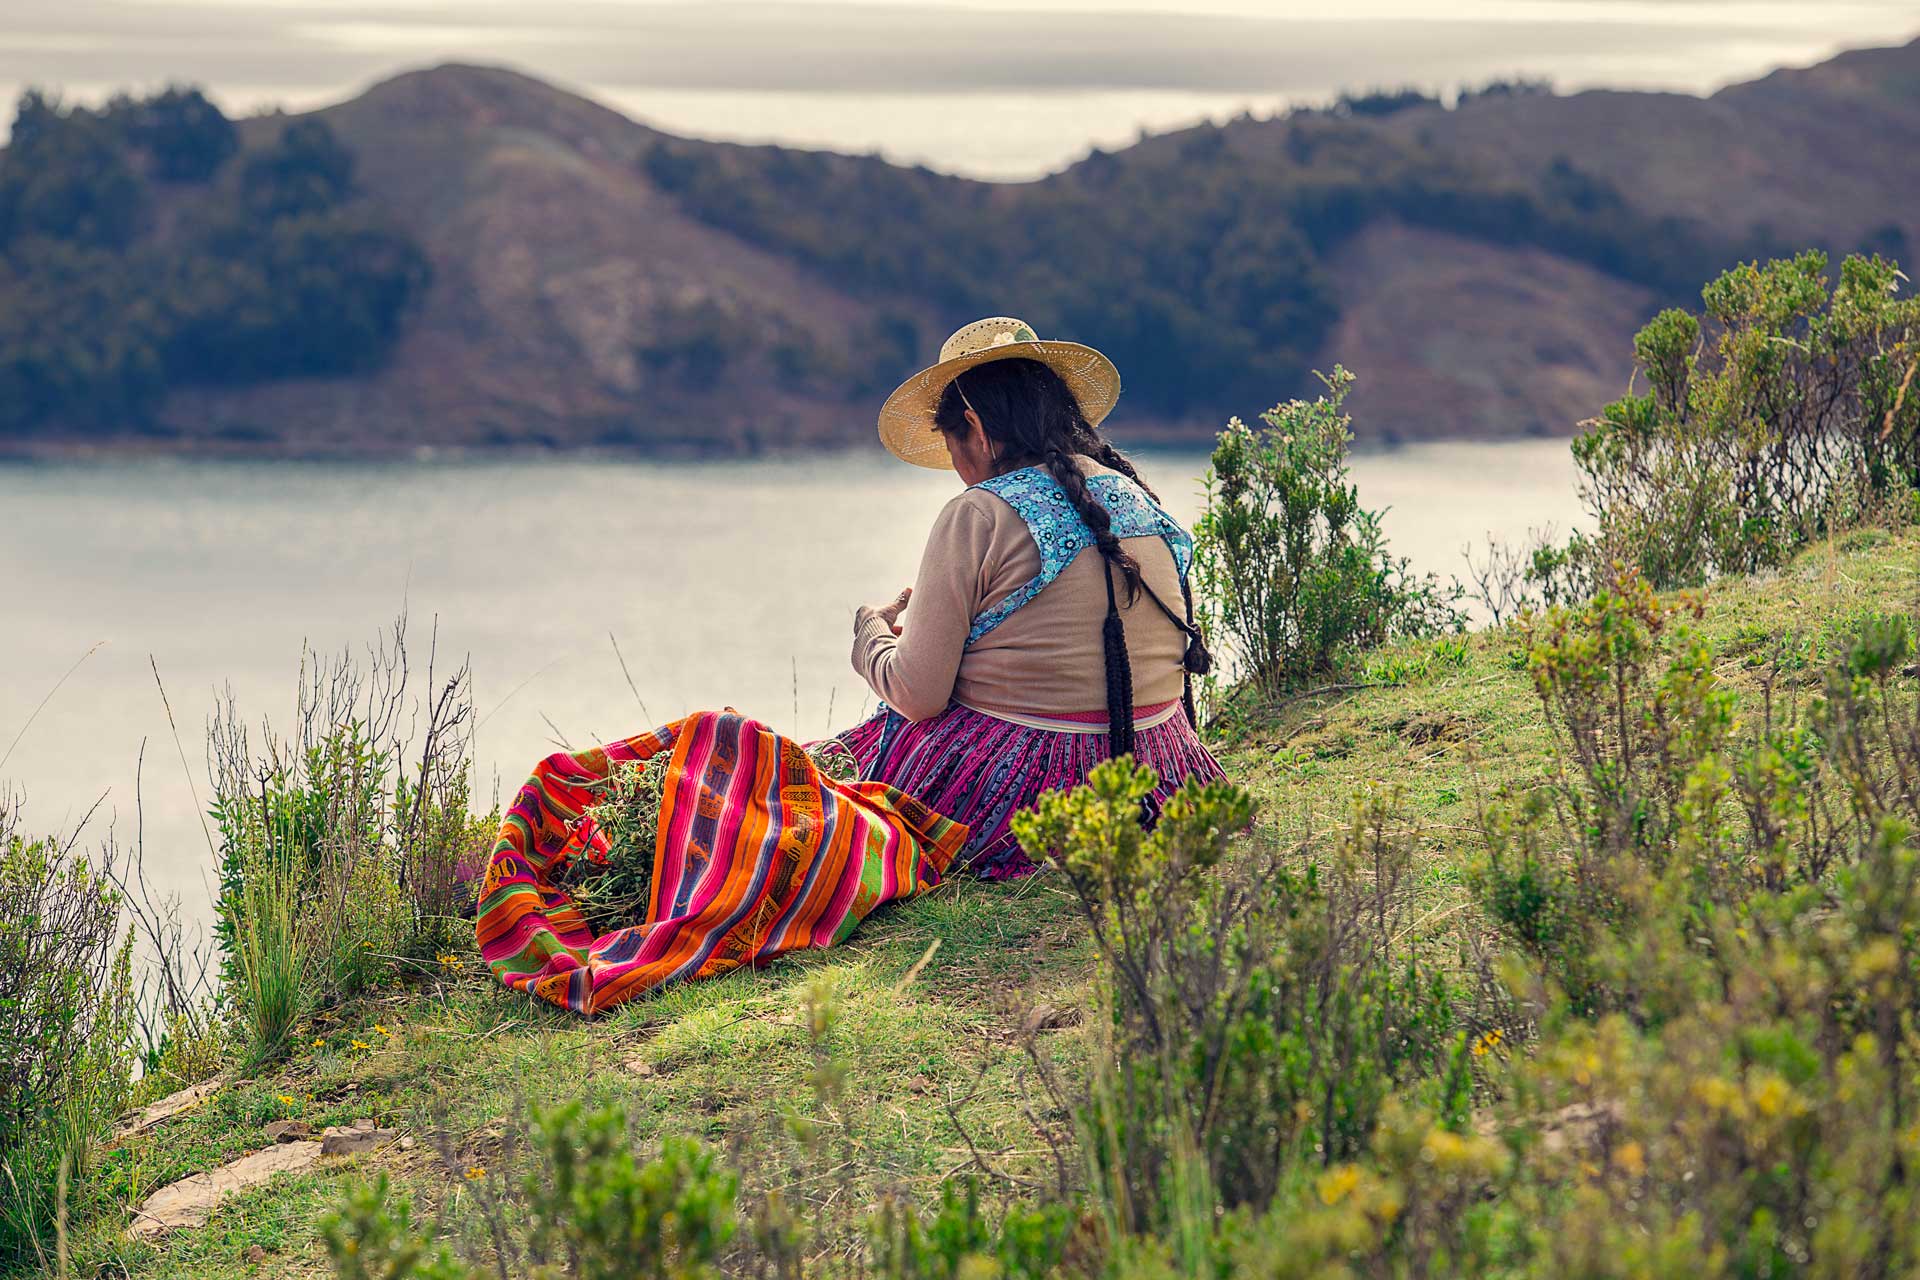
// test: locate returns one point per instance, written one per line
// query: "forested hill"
(468, 257)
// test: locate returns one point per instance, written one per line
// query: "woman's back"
(1045, 658)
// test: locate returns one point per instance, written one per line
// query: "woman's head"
(1009, 413)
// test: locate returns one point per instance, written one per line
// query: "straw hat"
(906, 419)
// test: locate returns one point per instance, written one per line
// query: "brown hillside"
(575, 303)
(568, 297)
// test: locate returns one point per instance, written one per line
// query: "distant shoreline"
(433, 455)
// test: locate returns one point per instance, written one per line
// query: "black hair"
(1032, 417)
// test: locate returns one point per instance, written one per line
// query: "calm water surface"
(726, 584)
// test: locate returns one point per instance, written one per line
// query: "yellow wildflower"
(319, 1042)
(1631, 1159)
(475, 1173)
(381, 1029)
(362, 1045)
(1773, 1096)
(284, 1098)
(1337, 1183)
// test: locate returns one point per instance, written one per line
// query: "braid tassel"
(1198, 661)
(1119, 678)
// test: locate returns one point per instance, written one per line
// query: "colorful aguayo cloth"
(982, 769)
(758, 855)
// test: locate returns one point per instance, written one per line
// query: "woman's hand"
(890, 613)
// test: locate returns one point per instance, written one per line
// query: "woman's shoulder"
(973, 509)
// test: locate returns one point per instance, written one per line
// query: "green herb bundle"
(613, 893)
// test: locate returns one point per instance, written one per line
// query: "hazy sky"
(994, 87)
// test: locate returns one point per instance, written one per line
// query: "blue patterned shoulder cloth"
(1061, 534)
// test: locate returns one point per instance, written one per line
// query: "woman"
(1050, 625)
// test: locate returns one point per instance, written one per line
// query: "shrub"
(372, 1237)
(1261, 1013)
(609, 1216)
(1288, 565)
(959, 1243)
(1724, 924)
(66, 1011)
(1781, 414)
(589, 1206)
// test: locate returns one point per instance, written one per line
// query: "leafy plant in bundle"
(1288, 565)
(613, 888)
(835, 760)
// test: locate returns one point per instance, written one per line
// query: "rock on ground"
(192, 1200)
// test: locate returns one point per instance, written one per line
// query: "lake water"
(726, 584)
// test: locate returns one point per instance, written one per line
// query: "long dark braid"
(1033, 417)
(1101, 450)
(1198, 661)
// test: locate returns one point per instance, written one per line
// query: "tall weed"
(271, 958)
(341, 844)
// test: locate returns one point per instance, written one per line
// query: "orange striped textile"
(759, 854)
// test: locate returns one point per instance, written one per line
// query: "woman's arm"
(914, 672)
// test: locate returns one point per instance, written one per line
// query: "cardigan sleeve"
(914, 672)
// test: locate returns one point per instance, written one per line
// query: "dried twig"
(44, 701)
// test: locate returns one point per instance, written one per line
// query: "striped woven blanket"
(758, 854)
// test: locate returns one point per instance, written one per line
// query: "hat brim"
(906, 419)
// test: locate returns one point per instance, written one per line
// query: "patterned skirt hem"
(979, 769)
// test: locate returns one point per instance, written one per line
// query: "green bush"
(608, 1216)
(270, 948)
(959, 1243)
(1723, 923)
(1288, 565)
(1779, 415)
(66, 1027)
(590, 1208)
(1263, 1010)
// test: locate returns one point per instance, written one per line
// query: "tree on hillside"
(307, 171)
(186, 136)
(65, 176)
(278, 274)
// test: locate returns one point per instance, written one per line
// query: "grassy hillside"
(933, 995)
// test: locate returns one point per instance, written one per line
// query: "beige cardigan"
(1046, 659)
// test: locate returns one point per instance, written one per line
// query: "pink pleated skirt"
(981, 769)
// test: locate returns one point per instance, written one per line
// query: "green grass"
(720, 1060)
